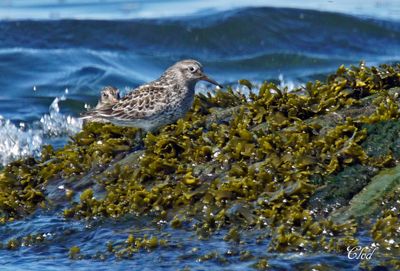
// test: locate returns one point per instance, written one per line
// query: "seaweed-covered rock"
(262, 161)
(382, 145)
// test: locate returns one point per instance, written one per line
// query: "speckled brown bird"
(109, 96)
(159, 102)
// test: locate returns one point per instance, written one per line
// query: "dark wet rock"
(368, 202)
(337, 190)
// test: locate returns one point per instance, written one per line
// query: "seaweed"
(234, 162)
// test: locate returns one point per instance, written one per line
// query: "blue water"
(183, 249)
(254, 43)
(69, 49)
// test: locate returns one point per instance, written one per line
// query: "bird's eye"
(192, 69)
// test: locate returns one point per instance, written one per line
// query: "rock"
(368, 202)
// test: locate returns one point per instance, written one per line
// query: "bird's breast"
(180, 101)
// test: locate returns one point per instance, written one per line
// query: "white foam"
(27, 140)
(57, 124)
(17, 142)
(289, 84)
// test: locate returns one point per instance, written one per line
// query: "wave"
(117, 9)
(256, 43)
(51, 71)
(232, 33)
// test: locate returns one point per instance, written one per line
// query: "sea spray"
(27, 140)
(17, 142)
(58, 124)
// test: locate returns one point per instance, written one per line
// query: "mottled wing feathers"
(141, 103)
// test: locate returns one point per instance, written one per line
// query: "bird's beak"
(212, 81)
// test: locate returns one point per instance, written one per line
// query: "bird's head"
(192, 71)
(109, 95)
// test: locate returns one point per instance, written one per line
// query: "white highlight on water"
(22, 141)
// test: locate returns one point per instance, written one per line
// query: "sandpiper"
(159, 102)
(109, 96)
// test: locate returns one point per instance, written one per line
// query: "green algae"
(74, 253)
(261, 264)
(29, 240)
(338, 189)
(383, 140)
(367, 202)
(136, 244)
(234, 162)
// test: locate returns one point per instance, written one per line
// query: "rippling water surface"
(56, 55)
